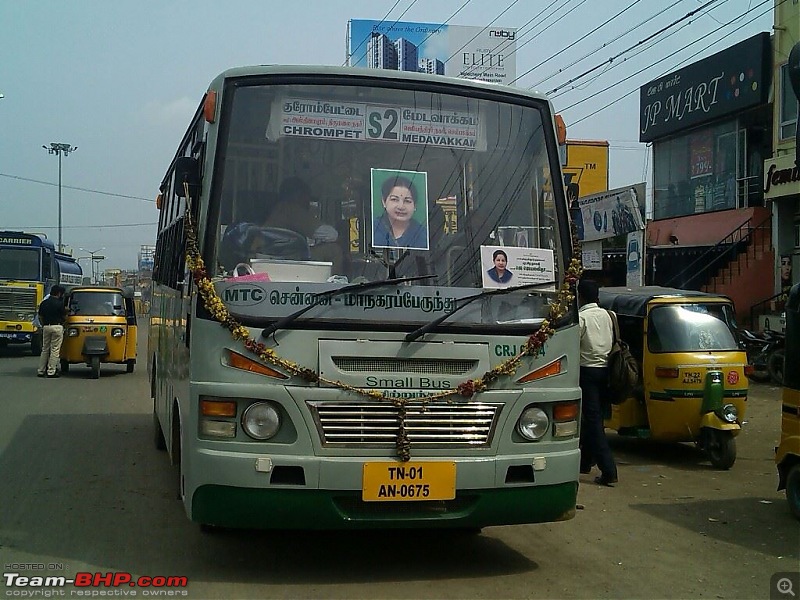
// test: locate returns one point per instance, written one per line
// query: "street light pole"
(93, 259)
(59, 150)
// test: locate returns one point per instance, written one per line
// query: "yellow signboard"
(586, 168)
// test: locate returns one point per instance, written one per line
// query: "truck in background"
(30, 265)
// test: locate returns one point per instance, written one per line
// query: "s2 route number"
(382, 123)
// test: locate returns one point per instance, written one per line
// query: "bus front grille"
(428, 366)
(439, 424)
(15, 301)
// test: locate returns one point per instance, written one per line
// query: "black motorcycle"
(764, 354)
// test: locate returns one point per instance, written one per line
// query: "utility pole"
(59, 150)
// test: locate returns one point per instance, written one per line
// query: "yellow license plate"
(404, 481)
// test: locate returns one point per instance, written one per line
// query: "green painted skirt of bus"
(226, 506)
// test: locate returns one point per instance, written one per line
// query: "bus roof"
(633, 301)
(372, 74)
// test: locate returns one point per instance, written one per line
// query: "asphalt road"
(82, 489)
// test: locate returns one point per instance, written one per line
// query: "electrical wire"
(666, 58)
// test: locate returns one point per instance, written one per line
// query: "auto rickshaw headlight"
(261, 421)
(729, 413)
(715, 377)
(117, 332)
(533, 423)
(72, 332)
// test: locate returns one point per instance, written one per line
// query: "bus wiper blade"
(356, 287)
(417, 333)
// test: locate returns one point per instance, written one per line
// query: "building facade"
(781, 181)
(710, 126)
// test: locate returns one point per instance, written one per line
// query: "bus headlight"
(261, 421)
(117, 332)
(533, 423)
(72, 332)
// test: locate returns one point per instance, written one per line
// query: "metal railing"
(721, 254)
(773, 304)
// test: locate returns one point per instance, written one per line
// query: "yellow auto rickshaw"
(787, 454)
(693, 386)
(100, 328)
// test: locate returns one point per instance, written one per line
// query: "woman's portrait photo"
(499, 273)
(399, 209)
(786, 271)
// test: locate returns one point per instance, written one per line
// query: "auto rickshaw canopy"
(633, 302)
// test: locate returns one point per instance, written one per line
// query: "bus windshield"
(352, 183)
(19, 263)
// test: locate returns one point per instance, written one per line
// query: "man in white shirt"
(597, 337)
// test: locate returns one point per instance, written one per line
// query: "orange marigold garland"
(534, 346)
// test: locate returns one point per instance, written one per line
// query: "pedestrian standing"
(52, 313)
(597, 338)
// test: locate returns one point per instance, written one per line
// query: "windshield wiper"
(417, 333)
(356, 287)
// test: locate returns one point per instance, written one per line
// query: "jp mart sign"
(781, 177)
(487, 54)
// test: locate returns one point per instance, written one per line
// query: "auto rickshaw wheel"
(64, 366)
(721, 448)
(129, 365)
(793, 489)
(94, 364)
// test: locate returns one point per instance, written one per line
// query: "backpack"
(623, 369)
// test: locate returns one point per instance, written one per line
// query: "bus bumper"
(550, 497)
(226, 506)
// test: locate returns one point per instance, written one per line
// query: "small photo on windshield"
(399, 209)
(508, 266)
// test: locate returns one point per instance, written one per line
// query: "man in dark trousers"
(597, 337)
(52, 313)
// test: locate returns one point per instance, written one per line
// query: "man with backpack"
(597, 339)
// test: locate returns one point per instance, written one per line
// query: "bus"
(30, 265)
(318, 360)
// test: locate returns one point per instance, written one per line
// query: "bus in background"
(29, 266)
(356, 272)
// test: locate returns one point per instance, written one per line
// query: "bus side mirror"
(187, 170)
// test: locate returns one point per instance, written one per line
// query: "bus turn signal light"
(239, 361)
(550, 369)
(565, 411)
(217, 408)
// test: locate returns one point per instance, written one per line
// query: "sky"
(121, 80)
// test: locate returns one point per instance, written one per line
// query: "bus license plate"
(404, 481)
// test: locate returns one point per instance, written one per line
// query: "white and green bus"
(362, 312)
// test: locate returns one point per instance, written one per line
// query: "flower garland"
(534, 346)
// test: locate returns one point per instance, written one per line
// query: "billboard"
(586, 167)
(484, 53)
(609, 214)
